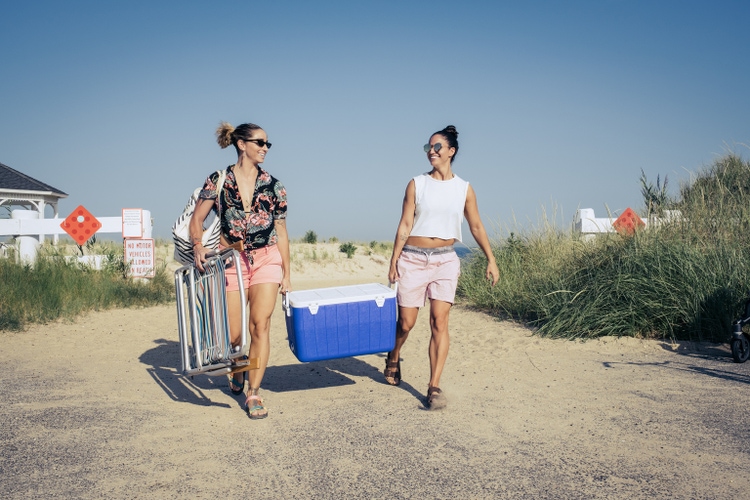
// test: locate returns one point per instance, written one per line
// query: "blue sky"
(559, 105)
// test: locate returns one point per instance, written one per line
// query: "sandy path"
(97, 409)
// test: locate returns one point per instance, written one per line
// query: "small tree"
(310, 237)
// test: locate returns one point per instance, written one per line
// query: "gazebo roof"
(13, 180)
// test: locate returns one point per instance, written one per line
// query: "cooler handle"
(379, 301)
(285, 304)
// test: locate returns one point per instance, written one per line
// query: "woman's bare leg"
(234, 316)
(261, 303)
(440, 340)
(407, 317)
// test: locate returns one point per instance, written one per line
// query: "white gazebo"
(27, 193)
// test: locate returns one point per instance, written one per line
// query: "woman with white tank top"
(424, 263)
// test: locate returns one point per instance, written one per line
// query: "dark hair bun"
(450, 129)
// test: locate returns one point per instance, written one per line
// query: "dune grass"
(685, 279)
(320, 253)
(58, 288)
(311, 252)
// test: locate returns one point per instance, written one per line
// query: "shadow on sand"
(164, 364)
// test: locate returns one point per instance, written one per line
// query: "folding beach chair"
(202, 318)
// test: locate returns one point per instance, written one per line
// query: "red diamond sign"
(628, 222)
(81, 225)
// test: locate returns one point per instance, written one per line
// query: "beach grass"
(304, 251)
(683, 279)
(58, 287)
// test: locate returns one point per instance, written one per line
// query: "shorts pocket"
(276, 258)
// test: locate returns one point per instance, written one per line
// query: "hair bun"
(224, 134)
(450, 129)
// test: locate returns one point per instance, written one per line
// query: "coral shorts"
(266, 268)
(427, 273)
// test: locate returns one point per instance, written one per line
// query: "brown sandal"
(392, 372)
(436, 400)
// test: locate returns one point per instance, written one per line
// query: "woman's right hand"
(199, 256)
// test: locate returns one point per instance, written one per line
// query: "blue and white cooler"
(339, 322)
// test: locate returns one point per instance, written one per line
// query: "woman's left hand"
(493, 273)
(285, 286)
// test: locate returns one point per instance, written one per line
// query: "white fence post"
(588, 225)
(26, 245)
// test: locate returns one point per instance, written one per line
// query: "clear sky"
(559, 104)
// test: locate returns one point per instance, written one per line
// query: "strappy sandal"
(392, 372)
(436, 400)
(236, 382)
(237, 379)
(256, 410)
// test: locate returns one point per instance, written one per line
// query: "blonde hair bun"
(224, 134)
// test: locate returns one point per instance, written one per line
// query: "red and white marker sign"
(81, 225)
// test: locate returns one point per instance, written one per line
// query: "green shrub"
(348, 248)
(310, 237)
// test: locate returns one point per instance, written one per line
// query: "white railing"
(587, 224)
(29, 230)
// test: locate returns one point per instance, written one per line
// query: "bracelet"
(197, 243)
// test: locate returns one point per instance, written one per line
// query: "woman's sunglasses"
(437, 147)
(259, 142)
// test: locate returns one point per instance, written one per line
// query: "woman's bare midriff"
(426, 242)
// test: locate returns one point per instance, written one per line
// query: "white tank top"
(440, 207)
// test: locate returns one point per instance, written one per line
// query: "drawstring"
(428, 252)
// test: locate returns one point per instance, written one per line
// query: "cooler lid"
(340, 295)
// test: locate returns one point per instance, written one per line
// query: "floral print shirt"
(257, 229)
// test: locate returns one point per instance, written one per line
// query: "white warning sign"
(139, 253)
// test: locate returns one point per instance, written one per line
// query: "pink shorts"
(266, 268)
(427, 273)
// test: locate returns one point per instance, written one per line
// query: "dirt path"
(97, 409)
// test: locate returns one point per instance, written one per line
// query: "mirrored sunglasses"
(437, 147)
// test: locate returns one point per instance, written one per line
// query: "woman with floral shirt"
(252, 204)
